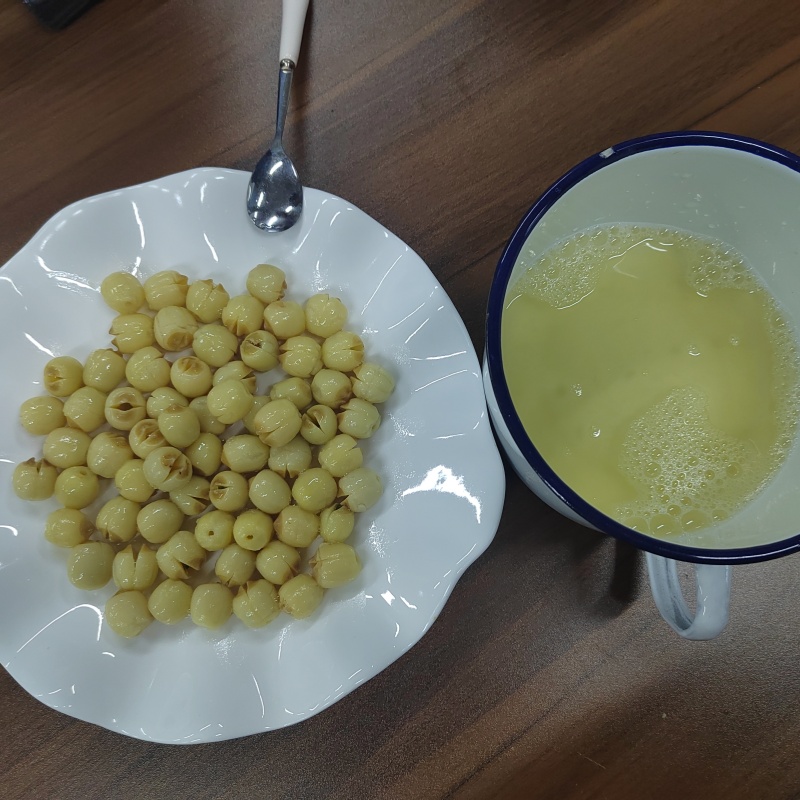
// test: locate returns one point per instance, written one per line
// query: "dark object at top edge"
(57, 14)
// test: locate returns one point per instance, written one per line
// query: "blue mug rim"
(497, 292)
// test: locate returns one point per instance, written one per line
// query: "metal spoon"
(275, 194)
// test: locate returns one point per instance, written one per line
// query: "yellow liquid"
(654, 373)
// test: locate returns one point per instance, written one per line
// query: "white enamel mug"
(743, 192)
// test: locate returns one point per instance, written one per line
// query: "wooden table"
(549, 673)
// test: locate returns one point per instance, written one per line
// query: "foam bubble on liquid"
(570, 271)
(689, 473)
(787, 388)
(713, 265)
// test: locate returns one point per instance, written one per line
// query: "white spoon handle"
(292, 22)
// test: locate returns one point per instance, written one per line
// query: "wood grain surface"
(549, 674)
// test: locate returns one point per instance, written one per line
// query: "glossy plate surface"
(444, 481)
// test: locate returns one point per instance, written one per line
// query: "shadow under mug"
(740, 191)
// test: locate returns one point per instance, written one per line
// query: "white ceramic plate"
(442, 472)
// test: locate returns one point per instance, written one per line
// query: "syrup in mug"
(654, 373)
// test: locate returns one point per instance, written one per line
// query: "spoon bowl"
(275, 193)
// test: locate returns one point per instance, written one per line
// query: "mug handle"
(713, 596)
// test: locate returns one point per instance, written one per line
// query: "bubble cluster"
(566, 273)
(688, 473)
(787, 388)
(571, 269)
(712, 265)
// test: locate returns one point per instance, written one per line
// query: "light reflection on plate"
(442, 472)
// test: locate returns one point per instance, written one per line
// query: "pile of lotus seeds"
(222, 491)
